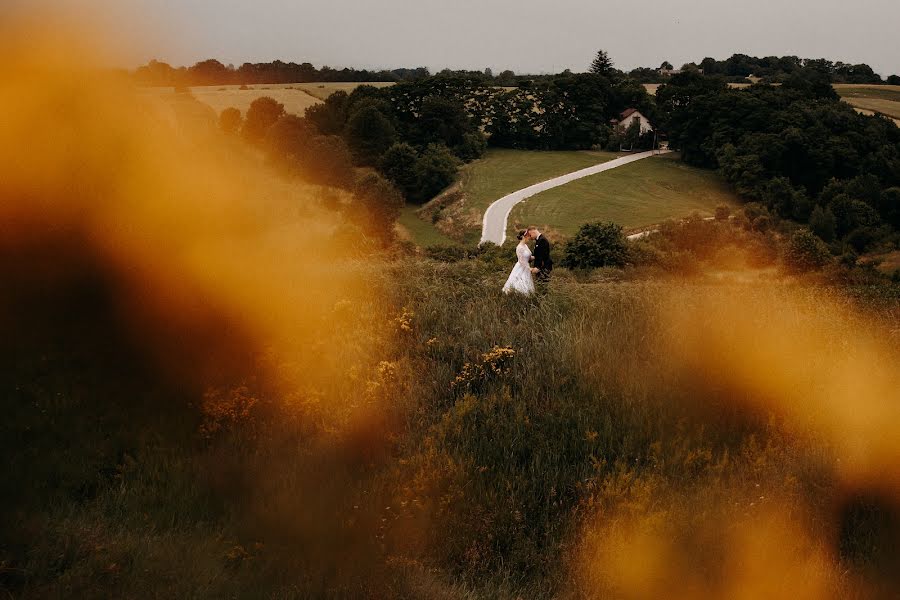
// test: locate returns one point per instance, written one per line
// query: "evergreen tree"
(602, 64)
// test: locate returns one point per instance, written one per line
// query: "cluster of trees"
(796, 149)
(738, 67)
(416, 134)
(295, 145)
(214, 72)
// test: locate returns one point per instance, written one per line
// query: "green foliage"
(398, 164)
(378, 204)
(369, 133)
(791, 147)
(822, 223)
(331, 115)
(602, 64)
(435, 170)
(295, 145)
(596, 245)
(230, 121)
(806, 252)
(262, 114)
(472, 147)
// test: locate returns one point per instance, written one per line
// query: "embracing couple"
(521, 279)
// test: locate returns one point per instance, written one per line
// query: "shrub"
(262, 114)
(378, 203)
(821, 221)
(472, 147)
(596, 245)
(369, 134)
(399, 165)
(230, 120)
(806, 252)
(435, 170)
(723, 212)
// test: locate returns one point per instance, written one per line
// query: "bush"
(821, 221)
(472, 147)
(369, 134)
(806, 252)
(399, 165)
(262, 114)
(378, 205)
(230, 120)
(596, 245)
(435, 170)
(723, 212)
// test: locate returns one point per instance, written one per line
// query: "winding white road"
(493, 225)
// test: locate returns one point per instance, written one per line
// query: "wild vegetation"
(219, 379)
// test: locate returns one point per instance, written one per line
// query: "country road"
(493, 225)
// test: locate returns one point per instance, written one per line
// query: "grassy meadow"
(636, 195)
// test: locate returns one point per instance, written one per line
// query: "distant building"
(630, 116)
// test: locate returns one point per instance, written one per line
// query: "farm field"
(882, 99)
(296, 97)
(323, 90)
(635, 195)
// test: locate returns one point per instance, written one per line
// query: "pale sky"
(528, 36)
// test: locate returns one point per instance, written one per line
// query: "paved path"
(493, 225)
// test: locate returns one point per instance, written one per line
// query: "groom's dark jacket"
(542, 260)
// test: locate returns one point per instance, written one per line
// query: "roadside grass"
(636, 195)
(420, 232)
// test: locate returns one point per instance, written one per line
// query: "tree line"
(771, 69)
(214, 72)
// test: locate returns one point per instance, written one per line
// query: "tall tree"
(602, 64)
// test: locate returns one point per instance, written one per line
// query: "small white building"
(630, 116)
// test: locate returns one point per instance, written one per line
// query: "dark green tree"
(821, 221)
(602, 65)
(399, 166)
(330, 116)
(369, 133)
(435, 170)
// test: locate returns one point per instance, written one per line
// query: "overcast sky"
(528, 36)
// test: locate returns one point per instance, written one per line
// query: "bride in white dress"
(520, 280)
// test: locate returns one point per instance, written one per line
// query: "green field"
(419, 231)
(635, 195)
(503, 171)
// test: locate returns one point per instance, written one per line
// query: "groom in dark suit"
(543, 264)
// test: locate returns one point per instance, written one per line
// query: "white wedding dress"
(520, 279)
